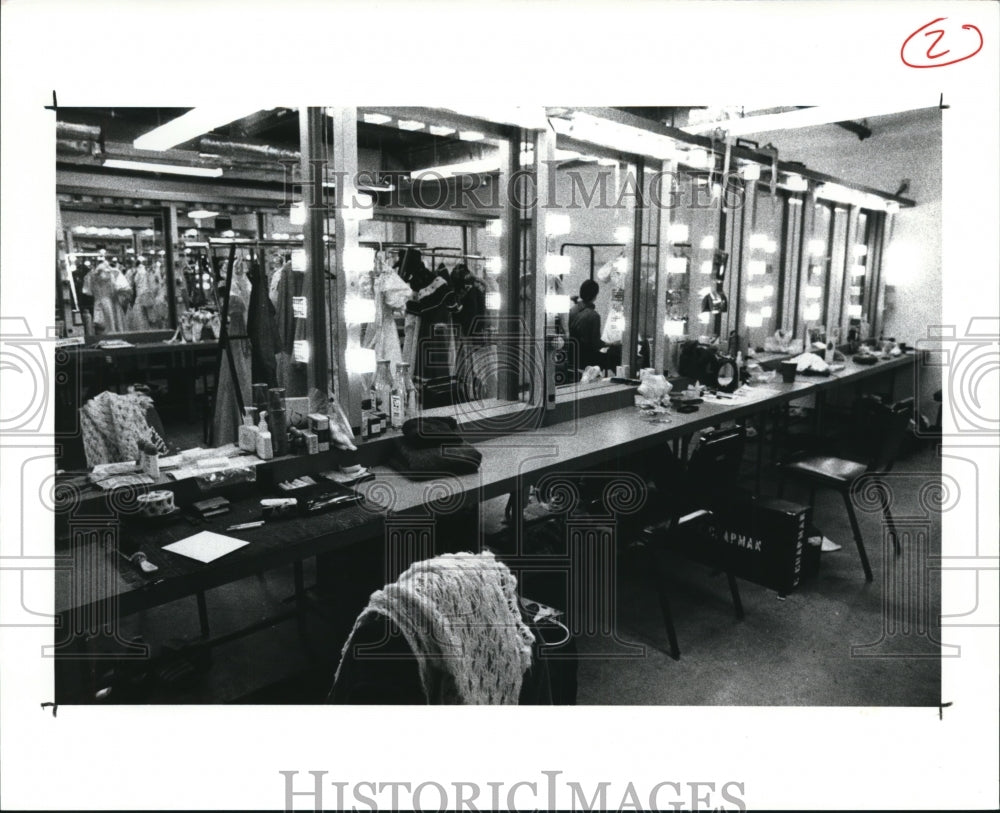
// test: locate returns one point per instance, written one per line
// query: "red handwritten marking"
(916, 59)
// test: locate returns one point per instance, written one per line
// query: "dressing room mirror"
(114, 278)
(438, 271)
(692, 269)
(588, 265)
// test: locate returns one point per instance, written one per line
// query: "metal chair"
(693, 492)
(882, 426)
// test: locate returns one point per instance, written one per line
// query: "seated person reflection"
(585, 328)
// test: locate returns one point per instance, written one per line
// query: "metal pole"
(312, 123)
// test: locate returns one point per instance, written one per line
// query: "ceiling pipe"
(236, 149)
(77, 132)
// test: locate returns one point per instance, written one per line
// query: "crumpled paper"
(810, 362)
(654, 387)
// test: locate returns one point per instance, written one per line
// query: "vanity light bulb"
(678, 233)
(811, 313)
(854, 311)
(557, 264)
(677, 265)
(758, 241)
(359, 311)
(557, 303)
(623, 234)
(756, 268)
(358, 260)
(674, 327)
(767, 312)
(770, 247)
(360, 360)
(768, 290)
(706, 267)
(707, 242)
(860, 250)
(754, 319)
(297, 214)
(557, 225)
(813, 292)
(857, 271)
(817, 248)
(755, 294)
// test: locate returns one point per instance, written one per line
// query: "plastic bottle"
(381, 389)
(410, 406)
(265, 449)
(396, 407)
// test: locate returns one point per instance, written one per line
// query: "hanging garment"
(474, 361)
(434, 352)
(227, 411)
(112, 426)
(382, 336)
(610, 276)
(104, 284)
(262, 329)
(460, 617)
(149, 310)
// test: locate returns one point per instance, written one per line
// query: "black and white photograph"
(355, 385)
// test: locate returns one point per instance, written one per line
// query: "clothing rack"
(592, 246)
(447, 253)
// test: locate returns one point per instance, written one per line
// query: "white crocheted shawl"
(459, 614)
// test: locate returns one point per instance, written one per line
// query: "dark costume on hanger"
(431, 343)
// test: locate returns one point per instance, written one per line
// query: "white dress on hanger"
(382, 336)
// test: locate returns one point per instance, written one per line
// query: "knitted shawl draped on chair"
(112, 426)
(459, 614)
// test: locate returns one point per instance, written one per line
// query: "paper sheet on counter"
(206, 546)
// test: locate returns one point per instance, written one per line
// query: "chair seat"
(833, 470)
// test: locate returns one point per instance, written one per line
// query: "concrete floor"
(795, 650)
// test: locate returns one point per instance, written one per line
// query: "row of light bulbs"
(104, 231)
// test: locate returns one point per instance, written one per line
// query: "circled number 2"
(924, 47)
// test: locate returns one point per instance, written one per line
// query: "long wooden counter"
(93, 573)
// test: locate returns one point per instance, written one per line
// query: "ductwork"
(77, 132)
(236, 150)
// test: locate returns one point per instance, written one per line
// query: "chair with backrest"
(693, 493)
(881, 427)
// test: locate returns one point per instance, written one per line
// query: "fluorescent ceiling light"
(812, 116)
(410, 124)
(440, 130)
(171, 169)
(471, 135)
(190, 125)
(377, 118)
(201, 214)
